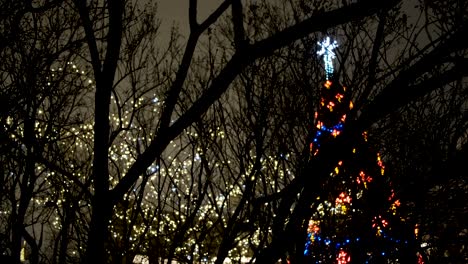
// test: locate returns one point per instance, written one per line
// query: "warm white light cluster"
(173, 185)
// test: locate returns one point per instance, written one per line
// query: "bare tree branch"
(238, 24)
(390, 98)
(231, 70)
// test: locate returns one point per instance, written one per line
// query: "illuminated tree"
(372, 96)
(356, 212)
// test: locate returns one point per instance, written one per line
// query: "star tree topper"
(328, 55)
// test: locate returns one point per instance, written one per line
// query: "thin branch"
(391, 98)
(215, 15)
(379, 37)
(181, 75)
(320, 22)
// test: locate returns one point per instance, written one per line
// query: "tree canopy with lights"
(356, 218)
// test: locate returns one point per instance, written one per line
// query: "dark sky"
(176, 11)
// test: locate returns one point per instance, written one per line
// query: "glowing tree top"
(357, 218)
(328, 55)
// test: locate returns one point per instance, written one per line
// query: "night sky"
(175, 11)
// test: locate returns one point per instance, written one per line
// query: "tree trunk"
(26, 188)
(98, 231)
(16, 239)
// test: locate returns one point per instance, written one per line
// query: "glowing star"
(328, 55)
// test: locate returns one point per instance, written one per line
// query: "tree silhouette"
(355, 215)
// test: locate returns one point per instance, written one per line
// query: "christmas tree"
(358, 220)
